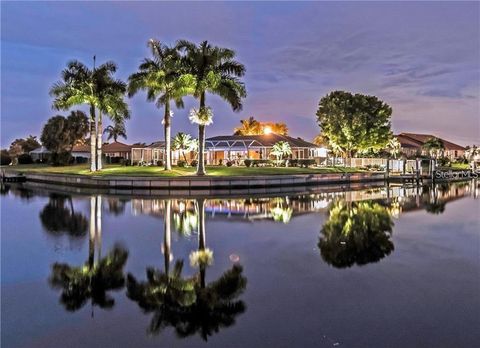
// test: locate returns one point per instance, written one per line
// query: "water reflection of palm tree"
(57, 217)
(434, 205)
(94, 279)
(356, 233)
(189, 305)
(164, 293)
(185, 220)
(216, 303)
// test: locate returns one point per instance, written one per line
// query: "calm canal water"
(323, 268)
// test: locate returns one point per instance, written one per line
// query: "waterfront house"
(232, 148)
(412, 145)
(116, 150)
(240, 147)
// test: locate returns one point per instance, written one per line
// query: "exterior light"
(267, 130)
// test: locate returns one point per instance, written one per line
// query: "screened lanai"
(239, 147)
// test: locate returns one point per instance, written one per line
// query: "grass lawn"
(83, 169)
(456, 166)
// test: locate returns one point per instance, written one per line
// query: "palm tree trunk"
(168, 147)
(167, 237)
(93, 141)
(201, 236)
(91, 240)
(201, 141)
(99, 227)
(99, 141)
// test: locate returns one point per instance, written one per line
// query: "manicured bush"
(160, 163)
(220, 162)
(261, 162)
(194, 163)
(25, 158)
(5, 158)
(305, 163)
(182, 164)
(229, 164)
(80, 160)
(247, 162)
(115, 160)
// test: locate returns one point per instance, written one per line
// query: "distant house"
(412, 145)
(40, 154)
(117, 149)
(240, 147)
(81, 151)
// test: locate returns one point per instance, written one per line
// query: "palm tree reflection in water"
(356, 233)
(94, 279)
(189, 305)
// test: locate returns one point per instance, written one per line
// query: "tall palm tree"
(164, 80)
(216, 72)
(250, 126)
(115, 131)
(183, 142)
(97, 89)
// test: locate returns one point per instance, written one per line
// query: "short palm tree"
(216, 72)
(165, 80)
(115, 131)
(394, 147)
(250, 126)
(281, 149)
(183, 142)
(97, 89)
(434, 146)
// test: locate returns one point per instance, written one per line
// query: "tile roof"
(116, 146)
(81, 148)
(422, 138)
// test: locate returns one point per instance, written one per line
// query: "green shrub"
(229, 164)
(181, 164)
(443, 161)
(259, 162)
(305, 163)
(194, 163)
(25, 158)
(247, 162)
(160, 163)
(5, 158)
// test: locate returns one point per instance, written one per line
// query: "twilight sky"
(423, 58)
